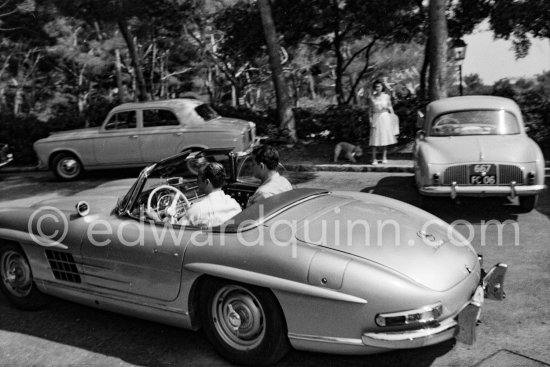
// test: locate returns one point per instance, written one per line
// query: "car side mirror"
(420, 135)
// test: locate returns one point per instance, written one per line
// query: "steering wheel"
(171, 207)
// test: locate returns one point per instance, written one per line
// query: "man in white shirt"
(266, 160)
(216, 207)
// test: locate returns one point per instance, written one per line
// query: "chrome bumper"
(461, 326)
(482, 190)
(413, 338)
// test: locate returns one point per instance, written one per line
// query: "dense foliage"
(65, 63)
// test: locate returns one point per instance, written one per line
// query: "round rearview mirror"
(82, 208)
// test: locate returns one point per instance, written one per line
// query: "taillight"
(421, 315)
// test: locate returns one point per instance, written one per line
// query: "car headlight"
(421, 315)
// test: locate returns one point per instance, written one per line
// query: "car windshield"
(206, 112)
(479, 122)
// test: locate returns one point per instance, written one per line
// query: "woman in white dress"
(381, 130)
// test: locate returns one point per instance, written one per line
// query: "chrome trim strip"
(27, 238)
(271, 282)
(325, 339)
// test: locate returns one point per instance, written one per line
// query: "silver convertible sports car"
(336, 272)
(477, 146)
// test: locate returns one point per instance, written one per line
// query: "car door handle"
(133, 136)
(178, 134)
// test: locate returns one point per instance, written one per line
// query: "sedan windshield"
(481, 122)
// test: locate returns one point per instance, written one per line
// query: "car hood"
(71, 134)
(391, 233)
(100, 199)
(463, 149)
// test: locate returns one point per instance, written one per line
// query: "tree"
(437, 45)
(284, 110)
(518, 19)
(344, 34)
(138, 23)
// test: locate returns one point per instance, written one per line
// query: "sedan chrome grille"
(63, 266)
(460, 174)
(508, 173)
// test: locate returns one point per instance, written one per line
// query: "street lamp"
(459, 51)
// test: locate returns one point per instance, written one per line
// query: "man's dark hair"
(267, 155)
(214, 172)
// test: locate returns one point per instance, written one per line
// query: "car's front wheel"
(244, 323)
(16, 280)
(528, 203)
(66, 166)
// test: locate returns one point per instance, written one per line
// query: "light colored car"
(335, 272)
(477, 146)
(138, 134)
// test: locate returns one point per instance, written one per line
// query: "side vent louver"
(63, 266)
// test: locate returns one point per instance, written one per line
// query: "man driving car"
(212, 210)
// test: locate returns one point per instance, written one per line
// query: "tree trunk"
(438, 50)
(339, 71)
(424, 70)
(118, 74)
(284, 109)
(140, 80)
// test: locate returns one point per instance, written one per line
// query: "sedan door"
(124, 255)
(162, 134)
(118, 142)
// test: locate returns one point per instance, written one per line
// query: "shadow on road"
(150, 344)
(474, 210)
(24, 185)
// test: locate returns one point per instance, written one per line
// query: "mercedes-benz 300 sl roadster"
(477, 146)
(336, 272)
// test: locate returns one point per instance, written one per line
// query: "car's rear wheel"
(16, 280)
(66, 166)
(244, 323)
(528, 203)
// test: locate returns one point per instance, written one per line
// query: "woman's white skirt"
(382, 132)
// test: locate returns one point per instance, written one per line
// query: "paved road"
(514, 332)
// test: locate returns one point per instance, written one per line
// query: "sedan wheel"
(16, 279)
(67, 167)
(243, 322)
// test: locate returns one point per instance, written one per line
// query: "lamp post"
(459, 51)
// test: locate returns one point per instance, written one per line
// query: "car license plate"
(483, 174)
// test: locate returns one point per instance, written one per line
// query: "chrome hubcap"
(16, 274)
(69, 166)
(238, 317)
